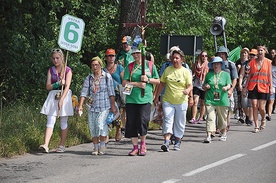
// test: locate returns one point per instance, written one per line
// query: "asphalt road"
(244, 157)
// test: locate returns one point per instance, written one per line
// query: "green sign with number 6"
(71, 33)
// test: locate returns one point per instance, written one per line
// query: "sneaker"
(95, 152)
(60, 149)
(223, 138)
(133, 152)
(236, 116)
(207, 140)
(268, 118)
(200, 121)
(102, 150)
(248, 122)
(193, 121)
(176, 146)
(44, 148)
(165, 147)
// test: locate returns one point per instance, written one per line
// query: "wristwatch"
(148, 80)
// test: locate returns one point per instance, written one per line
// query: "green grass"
(22, 130)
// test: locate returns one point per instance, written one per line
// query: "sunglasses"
(204, 56)
(56, 50)
(110, 55)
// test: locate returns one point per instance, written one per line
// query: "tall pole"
(143, 25)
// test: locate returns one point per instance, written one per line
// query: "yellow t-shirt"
(177, 80)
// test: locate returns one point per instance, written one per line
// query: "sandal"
(133, 152)
(256, 130)
(60, 149)
(143, 150)
(262, 127)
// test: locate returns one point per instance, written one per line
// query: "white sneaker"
(102, 150)
(95, 152)
(223, 138)
(208, 140)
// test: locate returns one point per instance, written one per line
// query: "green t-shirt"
(125, 57)
(222, 79)
(135, 97)
(177, 80)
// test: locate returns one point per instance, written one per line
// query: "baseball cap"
(253, 52)
(110, 51)
(126, 39)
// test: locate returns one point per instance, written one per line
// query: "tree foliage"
(30, 29)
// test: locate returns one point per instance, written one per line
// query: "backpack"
(131, 65)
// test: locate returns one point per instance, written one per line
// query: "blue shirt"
(116, 75)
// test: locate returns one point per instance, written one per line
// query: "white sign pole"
(70, 38)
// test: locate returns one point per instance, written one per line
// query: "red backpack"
(131, 65)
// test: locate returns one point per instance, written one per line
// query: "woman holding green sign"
(59, 100)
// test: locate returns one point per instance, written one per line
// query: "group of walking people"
(123, 85)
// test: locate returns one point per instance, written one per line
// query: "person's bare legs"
(202, 109)
(194, 108)
(255, 112)
(261, 105)
(63, 136)
(48, 135)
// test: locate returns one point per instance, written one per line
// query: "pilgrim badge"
(57, 95)
(89, 101)
(216, 96)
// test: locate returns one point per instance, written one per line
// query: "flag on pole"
(234, 54)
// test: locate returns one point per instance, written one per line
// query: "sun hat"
(253, 52)
(222, 49)
(110, 51)
(216, 60)
(173, 48)
(97, 59)
(135, 50)
(245, 50)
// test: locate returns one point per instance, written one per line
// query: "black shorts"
(199, 92)
(138, 116)
(254, 94)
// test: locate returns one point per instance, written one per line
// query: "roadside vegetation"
(30, 30)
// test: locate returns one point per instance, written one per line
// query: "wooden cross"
(143, 25)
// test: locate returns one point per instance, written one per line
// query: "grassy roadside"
(22, 130)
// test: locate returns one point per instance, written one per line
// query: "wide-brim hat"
(216, 60)
(222, 49)
(97, 59)
(135, 50)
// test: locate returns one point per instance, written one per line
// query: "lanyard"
(134, 71)
(96, 83)
(216, 79)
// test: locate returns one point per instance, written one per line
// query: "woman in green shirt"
(216, 84)
(138, 106)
